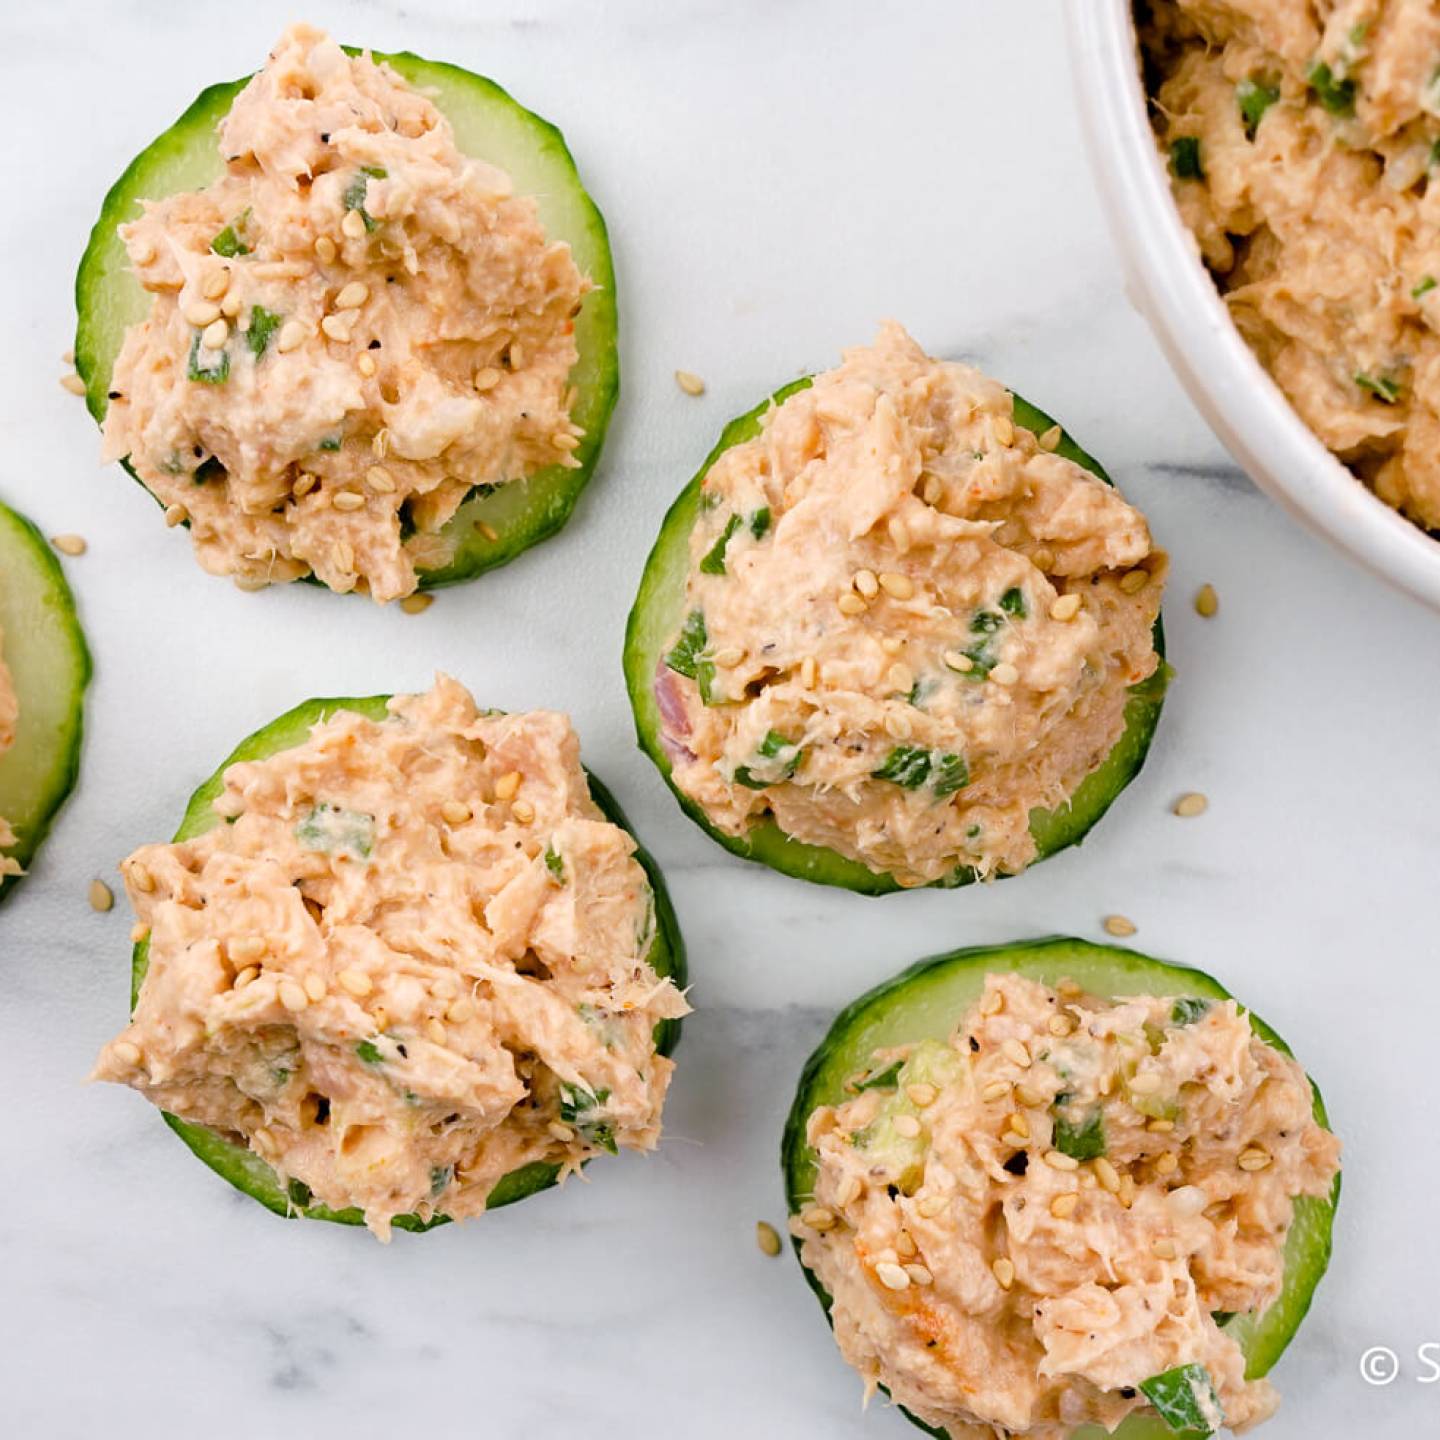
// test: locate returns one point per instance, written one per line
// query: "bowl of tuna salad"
(403, 963)
(899, 631)
(352, 320)
(1056, 1190)
(1266, 168)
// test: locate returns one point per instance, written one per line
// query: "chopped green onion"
(1083, 1141)
(369, 1052)
(263, 324)
(684, 657)
(907, 766)
(1185, 1400)
(355, 191)
(554, 864)
(760, 522)
(440, 1178)
(1185, 158)
(330, 442)
(1188, 1011)
(1337, 96)
(714, 561)
(986, 622)
(583, 1110)
(328, 828)
(230, 241)
(705, 679)
(1254, 98)
(1382, 387)
(885, 1079)
(214, 372)
(951, 774)
(1426, 285)
(1012, 602)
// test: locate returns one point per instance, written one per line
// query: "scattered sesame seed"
(729, 657)
(1146, 1083)
(850, 1188)
(380, 443)
(931, 1206)
(1043, 559)
(892, 1277)
(73, 383)
(1207, 602)
(488, 530)
(905, 1246)
(325, 248)
(900, 677)
(314, 987)
(995, 1090)
(353, 225)
(850, 603)
(1004, 673)
(292, 336)
(216, 283)
(1119, 925)
(1160, 1127)
(293, 996)
(1163, 1249)
(230, 305)
(435, 1029)
(69, 544)
(918, 1274)
(560, 1131)
(337, 327)
(1029, 1095)
(508, 785)
(900, 587)
(1061, 1025)
(807, 672)
(922, 1094)
(247, 948)
(487, 378)
(1132, 582)
(1003, 1268)
(1015, 1052)
(378, 478)
(1191, 804)
(101, 896)
(993, 1003)
(455, 812)
(417, 604)
(564, 440)
(349, 500)
(352, 296)
(1003, 429)
(68, 358)
(523, 811)
(817, 1217)
(1019, 1125)
(201, 313)
(1062, 1207)
(461, 1010)
(126, 1052)
(1106, 1174)
(690, 383)
(897, 725)
(216, 334)
(1253, 1158)
(1050, 439)
(767, 1238)
(142, 879)
(245, 977)
(1167, 1163)
(366, 365)
(866, 583)
(1059, 1160)
(956, 661)
(175, 515)
(906, 1126)
(1066, 607)
(357, 982)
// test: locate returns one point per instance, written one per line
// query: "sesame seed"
(217, 282)
(353, 225)
(523, 811)
(1106, 1174)
(767, 1238)
(73, 383)
(126, 1052)
(380, 443)
(900, 677)
(817, 1217)
(416, 604)
(230, 305)
(866, 583)
(1019, 1125)
(293, 996)
(315, 987)
(1160, 1127)
(906, 1126)
(1119, 925)
(850, 603)
(461, 1010)
(1148, 1083)
(807, 672)
(993, 1003)
(488, 531)
(101, 896)
(325, 248)
(175, 515)
(1132, 582)
(995, 1090)
(456, 812)
(357, 982)
(897, 725)
(900, 587)
(1011, 1138)
(564, 440)
(292, 336)
(1003, 1269)
(142, 879)
(1167, 1163)
(1003, 429)
(67, 358)
(1062, 1207)
(1043, 559)
(365, 365)
(349, 500)
(932, 490)
(956, 661)
(247, 948)
(245, 977)
(690, 383)
(337, 328)
(487, 378)
(1015, 1052)
(905, 1246)
(892, 1277)
(931, 1206)
(1059, 1160)
(1191, 804)
(1163, 1249)
(201, 313)
(922, 1094)
(378, 478)
(1004, 673)
(352, 296)
(850, 1188)
(1029, 1095)
(560, 1131)
(1060, 1025)
(918, 1274)
(1187, 1200)
(1253, 1158)
(1126, 1192)
(435, 1029)
(507, 785)
(216, 334)
(1207, 602)
(69, 544)
(1050, 439)
(1066, 607)
(729, 657)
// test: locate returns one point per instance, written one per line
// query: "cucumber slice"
(923, 1003)
(241, 1166)
(488, 124)
(49, 664)
(655, 619)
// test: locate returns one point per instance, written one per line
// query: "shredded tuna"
(413, 960)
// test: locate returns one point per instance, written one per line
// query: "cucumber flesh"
(488, 124)
(925, 1001)
(45, 651)
(655, 619)
(238, 1164)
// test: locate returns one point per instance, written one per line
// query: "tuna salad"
(412, 961)
(907, 622)
(354, 328)
(1301, 142)
(9, 716)
(1043, 1223)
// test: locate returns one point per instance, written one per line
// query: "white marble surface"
(777, 178)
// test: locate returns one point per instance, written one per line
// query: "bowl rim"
(1169, 284)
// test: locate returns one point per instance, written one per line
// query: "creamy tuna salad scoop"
(406, 961)
(891, 623)
(1301, 141)
(1068, 1210)
(355, 327)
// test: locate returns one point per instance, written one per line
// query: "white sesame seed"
(176, 515)
(353, 225)
(995, 1090)
(523, 811)
(767, 1238)
(1004, 673)
(560, 1131)
(1163, 1249)
(378, 478)
(1004, 1271)
(1059, 1160)
(850, 603)
(416, 604)
(126, 1052)
(956, 661)
(1050, 439)
(216, 283)
(101, 896)
(1207, 602)
(293, 996)
(689, 382)
(216, 334)
(69, 544)
(292, 336)
(1106, 1174)
(1015, 1052)
(1062, 1207)
(337, 327)
(728, 657)
(1191, 804)
(918, 1274)
(487, 378)
(1119, 925)
(931, 1206)
(1132, 582)
(455, 812)
(357, 982)
(922, 1094)
(1003, 429)
(73, 383)
(314, 987)
(817, 1217)
(507, 785)
(141, 879)
(906, 1126)
(201, 313)
(900, 587)
(1253, 1158)
(892, 1277)
(366, 365)
(325, 250)
(247, 948)
(866, 583)
(352, 296)
(348, 500)
(1066, 607)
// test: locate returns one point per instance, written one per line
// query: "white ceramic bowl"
(1170, 286)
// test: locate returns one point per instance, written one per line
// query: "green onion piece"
(554, 864)
(1012, 602)
(299, 1193)
(354, 196)
(705, 679)
(1381, 387)
(760, 522)
(684, 657)
(230, 241)
(986, 622)
(369, 1052)
(1188, 1011)
(951, 773)
(1254, 98)
(745, 776)
(714, 561)
(885, 1079)
(1185, 1400)
(907, 766)
(1337, 96)
(583, 1110)
(1426, 285)
(263, 324)
(214, 372)
(330, 442)
(1185, 158)
(1083, 1141)
(440, 1178)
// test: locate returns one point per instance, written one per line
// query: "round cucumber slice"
(923, 1003)
(244, 1169)
(489, 124)
(656, 617)
(45, 651)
